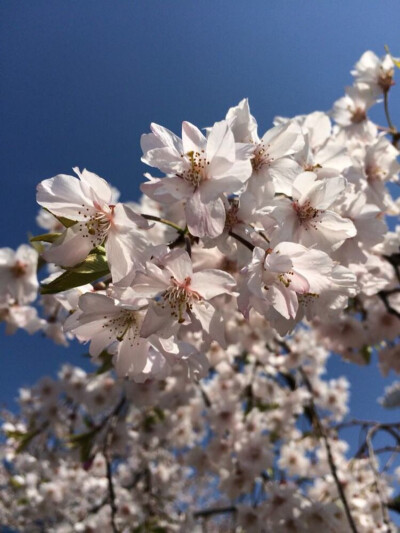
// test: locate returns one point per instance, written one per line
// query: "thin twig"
(392, 128)
(111, 493)
(384, 296)
(166, 222)
(358, 422)
(214, 511)
(320, 429)
(188, 245)
(371, 453)
(243, 241)
(387, 113)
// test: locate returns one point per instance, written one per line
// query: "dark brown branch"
(243, 241)
(188, 245)
(111, 494)
(384, 296)
(383, 503)
(213, 511)
(319, 427)
(392, 128)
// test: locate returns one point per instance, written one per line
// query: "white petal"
(70, 249)
(179, 264)
(167, 137)
(166, 190)
(63, 196)
(98, 188)
(205, 219)
(220, 145)
(211, 283)
(132, 357)
(192, 138)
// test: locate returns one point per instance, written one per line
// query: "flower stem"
(166, 222)
(248, 244)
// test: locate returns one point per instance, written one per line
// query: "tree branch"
(318, 425)
(240, 239)
(166, 222)
(111, 493)
(214, 511)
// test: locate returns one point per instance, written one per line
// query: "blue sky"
(81, 81)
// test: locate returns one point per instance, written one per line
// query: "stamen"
(306, 214)
(261, 157)
(197, 171)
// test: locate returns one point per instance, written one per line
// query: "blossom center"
(374, 173)
(358, 115)
(305, 212)
(96, 227)
(179, 297)
(124, 324)
(385, 80)
(197, 171)
(261, 157)
(18, 270)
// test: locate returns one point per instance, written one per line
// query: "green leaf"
(366, 352)
(266, 406)
(26, 440)
(84, 441)
(16, 434)
(394, 59)
(66, 222)
(106, 364)
(93, 268)
(15, 483)
(45, 237)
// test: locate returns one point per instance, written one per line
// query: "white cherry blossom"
(181, 295)
(375, 72)
(200, 171)
(110, 324)
(87, 202)
(309, 218)
(18, 277)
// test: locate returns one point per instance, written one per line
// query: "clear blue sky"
(81, 81)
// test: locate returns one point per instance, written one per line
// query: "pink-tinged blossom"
(271, 154)
(243, 219)
(199, 171)
(88, 201)
(370, 226)
(18, 278)
(278, 280)
(180, 295)
(374, 72)
(350, 112)
(309, 218)
(323, 153)
(111, 325)
(20, 317)
(378, 164)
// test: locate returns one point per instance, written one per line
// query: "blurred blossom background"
(81, 81)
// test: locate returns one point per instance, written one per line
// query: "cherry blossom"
(18, 273)
(87, 201)
(375, 72)
(181, 294)
(199, 171)
(114, 325)
(307, 218)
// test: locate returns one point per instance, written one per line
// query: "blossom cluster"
(242, 443)
(215, 300)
